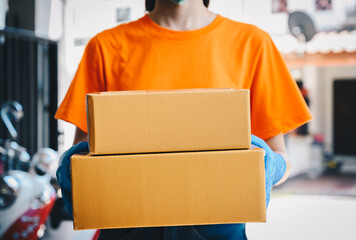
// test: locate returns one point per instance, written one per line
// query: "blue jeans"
(198, 232)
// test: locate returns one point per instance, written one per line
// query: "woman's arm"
(79, 136)
(277, 144)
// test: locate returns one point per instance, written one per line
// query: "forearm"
(288, 167)
(277, 144)
(80, 136)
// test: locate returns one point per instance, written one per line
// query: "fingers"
(269, 185)
(67, 199)
(256, 141)
(63, 177)
(261, 144)
(269, 163)
(63, 171)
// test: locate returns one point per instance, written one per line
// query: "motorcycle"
(30, 202)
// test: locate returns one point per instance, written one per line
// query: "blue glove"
(64, 172)
(275, 165)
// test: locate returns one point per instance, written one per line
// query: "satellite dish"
(301, 26)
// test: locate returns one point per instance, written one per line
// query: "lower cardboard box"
(168, 189)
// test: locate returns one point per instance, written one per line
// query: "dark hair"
(150, 4)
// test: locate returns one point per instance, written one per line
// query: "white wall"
(48, 19)
(85, 18)
(258, 12)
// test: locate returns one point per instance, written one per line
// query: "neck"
(190, 15)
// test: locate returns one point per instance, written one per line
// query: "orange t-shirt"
(142, 55)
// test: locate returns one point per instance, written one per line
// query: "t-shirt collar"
(163, 32)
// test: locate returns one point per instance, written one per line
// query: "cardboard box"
(168, 121)
(168, 189)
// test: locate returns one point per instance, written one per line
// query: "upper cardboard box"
(168, 121)
(168, 189)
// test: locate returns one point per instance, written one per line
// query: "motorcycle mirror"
(11, 111)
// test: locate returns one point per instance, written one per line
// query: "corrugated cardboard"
(143, 121)
(165, 189)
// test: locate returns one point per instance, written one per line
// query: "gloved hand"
(64, 172)
(275, 165)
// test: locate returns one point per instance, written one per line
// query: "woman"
(181, 44)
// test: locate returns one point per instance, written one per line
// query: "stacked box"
(168, 158)
(168, 121)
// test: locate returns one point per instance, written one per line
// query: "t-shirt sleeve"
(88, 78)
(277, 105)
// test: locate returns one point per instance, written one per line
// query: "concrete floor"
(289, 217)
(306, 217)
